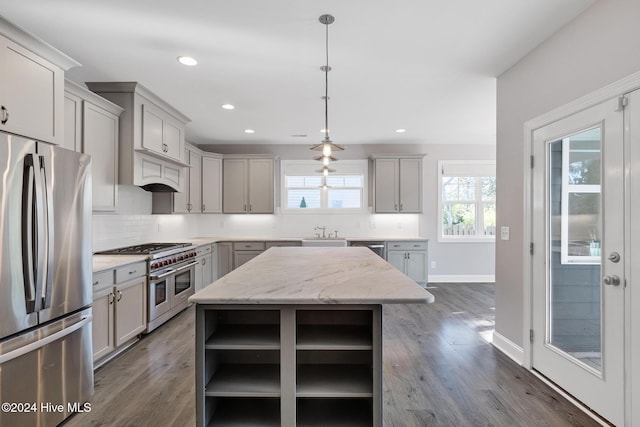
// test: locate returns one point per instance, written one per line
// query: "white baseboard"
(508, 347)
(462, 278)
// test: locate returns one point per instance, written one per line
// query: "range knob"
(166, 262)
(180, 258)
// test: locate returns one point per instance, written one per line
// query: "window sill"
(467, 239)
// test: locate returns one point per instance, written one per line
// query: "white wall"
(598, 48)
(133, 223)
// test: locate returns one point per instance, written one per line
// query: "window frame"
(472, 166)
(308, 168)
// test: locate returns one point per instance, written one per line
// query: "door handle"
(613, 280)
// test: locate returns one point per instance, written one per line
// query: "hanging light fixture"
(327, 147)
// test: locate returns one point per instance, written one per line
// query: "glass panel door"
(577, 282)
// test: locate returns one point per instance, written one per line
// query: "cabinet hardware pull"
(249, 208)
(204, 261)
(119, 296)
(5, 115)
(395, 207)
(400, 206)
(96, 283)
(111, 298)
(133, 272)
(245, 208)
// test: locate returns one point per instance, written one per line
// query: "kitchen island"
(294, 337)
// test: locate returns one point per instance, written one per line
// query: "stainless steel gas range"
(171, 278)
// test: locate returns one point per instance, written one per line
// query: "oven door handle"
(162, 276)
(184, 267)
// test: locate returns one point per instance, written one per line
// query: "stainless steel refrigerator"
(46, 364)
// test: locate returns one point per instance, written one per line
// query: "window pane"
(584, 158)
(304, 181)
(303, 198)
(343, 198)
(344, 180)
(489, 219)
(584, 223)
(459, 219)
(458, 188)
(489, 188)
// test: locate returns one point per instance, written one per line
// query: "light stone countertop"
(314, 275)
(199, 241)
(107, 262)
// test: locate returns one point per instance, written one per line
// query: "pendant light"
(327, 147)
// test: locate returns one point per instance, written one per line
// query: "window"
(467, 200)
(305, 189)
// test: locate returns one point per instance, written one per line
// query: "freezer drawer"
(47, 373)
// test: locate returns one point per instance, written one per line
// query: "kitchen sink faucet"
(323, 231)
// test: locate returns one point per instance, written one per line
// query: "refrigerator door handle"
(14, 354)
(27, 233)
(47, 274)
(40, 222)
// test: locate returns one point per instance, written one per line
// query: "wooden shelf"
(245, 337)
(334, 412)
(334, 381)
(236, 412)
(334, 337)
(245, 380)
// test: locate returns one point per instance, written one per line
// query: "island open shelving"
(277, 347)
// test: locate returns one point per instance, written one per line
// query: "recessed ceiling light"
(249, 131)
(187, 60)
(227, 106)
(401, 130)
(324, 130)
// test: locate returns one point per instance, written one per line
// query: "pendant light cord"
(326, 85)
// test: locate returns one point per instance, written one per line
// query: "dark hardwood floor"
(439, 370)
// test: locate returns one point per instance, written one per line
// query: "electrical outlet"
(433, 265)
(504, 233)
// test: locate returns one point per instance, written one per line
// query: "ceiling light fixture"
(187, 60)
(401, 130)
(249, 131)
(227, 106)
(327, 147)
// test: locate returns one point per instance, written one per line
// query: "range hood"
(158, 188)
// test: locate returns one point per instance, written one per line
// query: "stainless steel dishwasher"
(376, 246)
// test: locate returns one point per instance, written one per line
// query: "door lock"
(614, 257)
(612, 280)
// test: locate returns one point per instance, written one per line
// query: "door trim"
(613, 90)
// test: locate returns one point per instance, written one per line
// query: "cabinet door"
(234, 194)
(225, 258)
(410, 185)
(103, 323)
(173, 138)
(241, 257)
(215, 274)
(72, 123)
(100, 141)
(397, 259)
(130, 312)
(32, 94)
(386, 185)
(207, 271)
(261, 186)
(417, 266)
(211, 185)
(195, 180)
(152, 123)
(199, 275)
(181, 199)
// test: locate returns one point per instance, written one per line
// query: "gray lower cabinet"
(289, 365)
(246, 251)
(410, 257)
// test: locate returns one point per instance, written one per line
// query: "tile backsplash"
(133, 223)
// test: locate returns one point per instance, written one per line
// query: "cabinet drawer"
(407, 246)
(102, 279)
(131, 271)
(203, 250)
(248, 246)
(284, 243)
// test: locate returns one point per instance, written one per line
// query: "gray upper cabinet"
(248, 185)
(398, 184)
(211, 183)
(151, 137)
(91, 127)
(31, 86)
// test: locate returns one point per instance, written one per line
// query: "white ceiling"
(428, 66)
